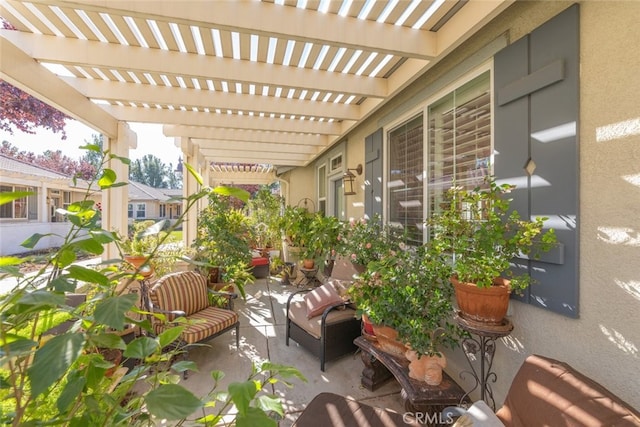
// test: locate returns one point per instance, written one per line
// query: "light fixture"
(348, 178)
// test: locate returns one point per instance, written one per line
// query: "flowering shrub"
(364, 241)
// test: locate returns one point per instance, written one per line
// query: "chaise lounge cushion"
(548, 392)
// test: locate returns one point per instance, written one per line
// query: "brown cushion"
(341, 286)
(319, 299)
(184, 291)
(548, 392)
(203, 324)
(333, 410)
(298, 315)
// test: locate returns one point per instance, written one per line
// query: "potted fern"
(482, 234)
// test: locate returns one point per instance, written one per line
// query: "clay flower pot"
(387, 338)
(483, 305)
(426, 368)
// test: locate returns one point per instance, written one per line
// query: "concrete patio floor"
(262, 337)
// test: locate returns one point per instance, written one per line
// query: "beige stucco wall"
(604, 342)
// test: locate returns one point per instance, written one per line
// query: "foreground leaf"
(52, 360)
(172, 402)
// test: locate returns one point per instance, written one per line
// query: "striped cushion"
(203, 324)
(185, 291)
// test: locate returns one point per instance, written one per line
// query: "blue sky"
(150, 141)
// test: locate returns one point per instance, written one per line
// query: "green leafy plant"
(364, 241)
(60, 379)
(321, 237)
(409, 291)
(483, 234)
(263, 212)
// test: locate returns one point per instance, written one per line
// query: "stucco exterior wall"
(604, 342)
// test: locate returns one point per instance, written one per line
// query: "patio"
(262, 330)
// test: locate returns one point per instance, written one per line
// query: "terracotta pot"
(112, 355)
(426, 368)
(483, 305)
(367, 325)
(136, 261)
(387, 338)
(308, 263)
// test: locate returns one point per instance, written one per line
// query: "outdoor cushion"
(298, 315)
(203, 324)
(187, 293)
(259, 261)
(319, 299)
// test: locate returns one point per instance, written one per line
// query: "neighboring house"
(36, 213)
(51, 190)
(152, 203)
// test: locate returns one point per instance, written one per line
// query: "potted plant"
(140, 243)
(407, 292)
(294, 226)
(483, 235)
(263, 213)
(222, 244)
(320, 238)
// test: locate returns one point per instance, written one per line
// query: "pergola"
(272, 83)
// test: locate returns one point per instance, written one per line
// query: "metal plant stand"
(481, 345)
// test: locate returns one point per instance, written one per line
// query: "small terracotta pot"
(137, 261)
(308, 263)
(387, 338)
(483, 305)
(367, 325)
(426, 368)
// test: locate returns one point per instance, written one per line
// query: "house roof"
(17, 168)
(271, 81)
(139, 191)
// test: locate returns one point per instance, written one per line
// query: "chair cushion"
(185, 291)
(259, 261)
(321, 298)
(341, 286)
(203, 324)
(298, 315)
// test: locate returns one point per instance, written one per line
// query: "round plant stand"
(481, 345)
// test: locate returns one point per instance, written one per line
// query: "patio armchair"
(324, 321)
(185, 294)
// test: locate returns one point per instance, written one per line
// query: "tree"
(23, 112)
(150, 170)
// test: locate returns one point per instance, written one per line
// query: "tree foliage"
(52, 160)
(152, 171)
(21, 111)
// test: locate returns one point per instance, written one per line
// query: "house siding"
(604, 342)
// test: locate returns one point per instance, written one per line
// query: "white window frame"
(141, 208)
(13, 203)
(322, 198)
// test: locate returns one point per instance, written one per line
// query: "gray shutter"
(536, 118)
(373, 174)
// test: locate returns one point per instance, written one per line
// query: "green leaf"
(232, 191)
(194, 173)
(52, 360)
(85, 274)
(111, 311)
(103, 236)
(270, 403)
(10, 260)
(15, 345)
(217, 375)
(70, 393)
(283, 370)
(65, 257)
(90, 245)
(242, 394)
(141, 348)
(172, 402)
(108, 341)
(107, 179)
(255, 418)
(170, 335)
(42, 298)
(185, 365)
(6, 197)
(32, 241)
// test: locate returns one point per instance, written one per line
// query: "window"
(405, 178)
(322, 189)
(459, 146)
(141, 210)
(336, 163)
(18, 208)
(163, 210)
(130, 210)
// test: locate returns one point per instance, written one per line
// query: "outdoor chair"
(324, 321)
(185, 294)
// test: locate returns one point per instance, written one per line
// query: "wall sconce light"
(348, 178)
